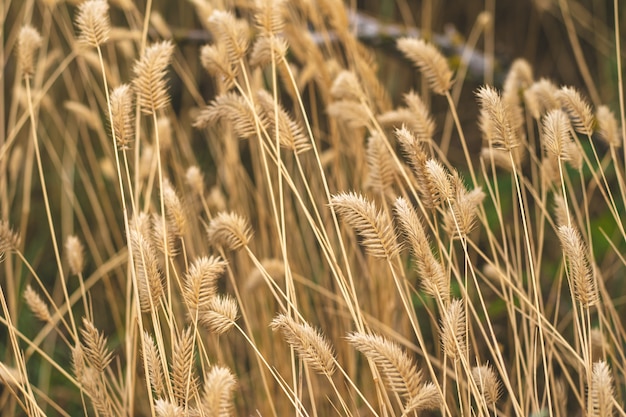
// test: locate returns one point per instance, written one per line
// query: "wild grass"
(256, 224)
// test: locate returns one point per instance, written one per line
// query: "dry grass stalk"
(311, 345)
(417, 158)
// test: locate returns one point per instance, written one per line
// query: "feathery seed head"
(581, 275)
(453, 330)
(150, 71)
(75, 254)
(541, 98)
(347, 87)
(195, 180)
(556, 134)
(290, 133)
(199, 286)
(518, 79)
(608, 129)
(36, 304)
(429, 60)
(219, 386)
(220, 314)
(487, 382)
(428, 398)
(232, 33)
(28, 41)
(229, 230)
(215, 61)
(165, 408)
(266, 49)
(310, 344)
(123, 116)
(438, 182)
(601, 391)
(97, 355)
(149, 276)
(93, 22)
(497, 121)
(577, 109)
(153, 362)
(397, 368)
(9, 240)
(270, 17)
(184, 378)
(374, 226)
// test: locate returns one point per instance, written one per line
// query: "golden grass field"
(312, 208)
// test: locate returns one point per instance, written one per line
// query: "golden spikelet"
(428, 398)
(150, 71)
(347, 87)
(423, 125)
(230, 231)
(184, 379)
(372, 225)
(93, 22)
(165, 408)
(453, 330)
(220, 314)
(199, 285)
(195, 180)
(460, 219)
(9, 240)
(75, 254)
(215, 61)
(266, 49)
(398, 370)
(97, 355)
(601, 395)
(175, 213)
(353, 114)
(435, 282)
(269, 16)
(311, 345)
(290, 133)
(581, 275)
(429, 60)
(154, 367)
(123, 116)
(381, 167)
(540, 98)
(496, 121)
(518, 79)
(439, 182)
(608, 129)
(578, 110)
(557, 138)
(416, 158)
(230, 32)
(219, 386)
(164, 233)
(36, 304)
(28, 41)
(149, 277)
(488, 383)
(233, 108)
